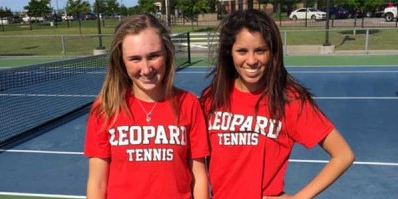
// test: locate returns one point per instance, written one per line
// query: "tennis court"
(47, 161)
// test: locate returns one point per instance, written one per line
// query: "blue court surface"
(361, 101)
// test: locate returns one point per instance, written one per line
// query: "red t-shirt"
(149, 160)
(249, 160)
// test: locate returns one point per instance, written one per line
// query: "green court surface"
(9, 62)
(326, 60)
(346, 60)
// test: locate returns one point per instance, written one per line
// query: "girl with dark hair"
(257, 111)
(145, 138)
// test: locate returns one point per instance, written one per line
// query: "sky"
(17, 5)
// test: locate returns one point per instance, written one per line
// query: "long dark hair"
(278, 83)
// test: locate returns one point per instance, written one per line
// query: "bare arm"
(200, 181)
(97, 178)
(341, 158)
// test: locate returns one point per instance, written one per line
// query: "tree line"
(187, 8)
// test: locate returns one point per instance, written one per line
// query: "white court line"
(58, 72)
(42, 95)
(311, 72)
(340, 66)
(321, 66)
(306, 72)
(40, 195)
(355, 162)
(41, 152)
(352, 98)
(356, 98)
(91, 96)
(193, 72)
(290, 160)
(342, 71)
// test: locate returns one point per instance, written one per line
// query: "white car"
(390, 13)
(67, 18)
(309, 13)
(32, 19)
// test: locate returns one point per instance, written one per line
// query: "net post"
(189, 47)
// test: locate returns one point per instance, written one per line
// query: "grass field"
(74, 40)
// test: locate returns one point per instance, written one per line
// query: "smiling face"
(250, 55)
(144, 58)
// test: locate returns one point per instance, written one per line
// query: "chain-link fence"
(308, 41)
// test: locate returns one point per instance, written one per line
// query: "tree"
(107, 7)
(191, 8)
(76, 7)
(370, 6)
(5, 12)
(38, 8)
(111, 7)
(213, 6)
(123, 10)
(133, 10)
(147, 6)
(350, 3)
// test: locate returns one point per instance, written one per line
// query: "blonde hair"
(117, 84)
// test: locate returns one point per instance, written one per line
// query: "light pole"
(99, 26)
(167, 12)
(327, 43)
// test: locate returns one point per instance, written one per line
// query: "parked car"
(379, 11)
(26, 19)
(337, 12)
(10, 20)
(85, 16)
(391, 13)
(353, 12)
(67, 18)
(309, 13)
(53, 17)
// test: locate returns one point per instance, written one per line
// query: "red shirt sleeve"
(306, 124)
(198, 132)
(97, 139)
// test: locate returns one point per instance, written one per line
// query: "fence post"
(63, 45)
(367, 41)
(285, 42)
(208, 43)
(189, 47)
(396, 19)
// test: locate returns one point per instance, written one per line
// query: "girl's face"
(144, 58)
(250, 55)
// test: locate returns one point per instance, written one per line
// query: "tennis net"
(34, 95)
(182, 46)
